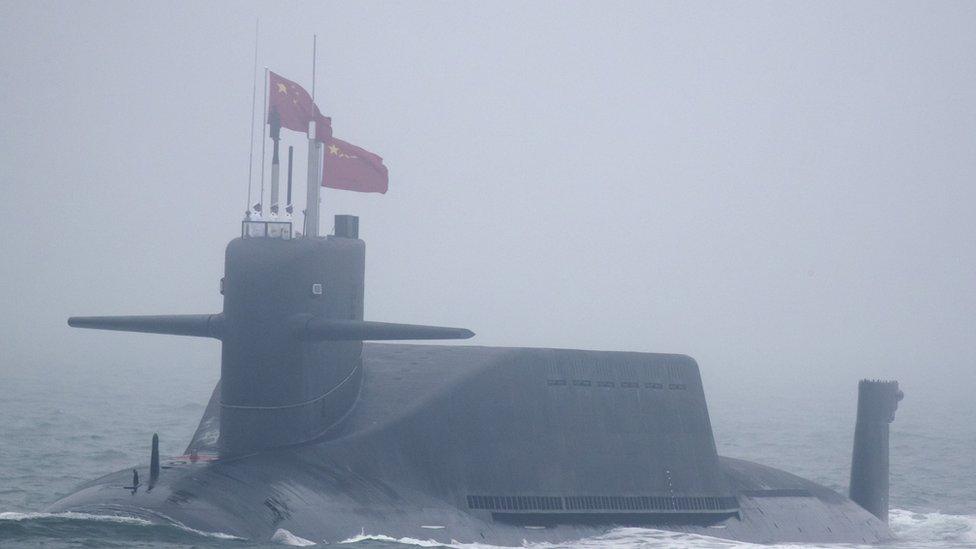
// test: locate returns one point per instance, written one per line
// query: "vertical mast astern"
(876, 404)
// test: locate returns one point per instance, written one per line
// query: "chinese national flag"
(347, 167)
(296, 108)
(351, 168)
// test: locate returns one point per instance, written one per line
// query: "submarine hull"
(497, 445)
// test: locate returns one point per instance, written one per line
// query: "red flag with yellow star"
(295, 107)
(351, 168)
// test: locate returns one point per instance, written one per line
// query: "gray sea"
(61, 425)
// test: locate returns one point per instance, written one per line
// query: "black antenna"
(254, 100)
(291, 153)
(274, 121)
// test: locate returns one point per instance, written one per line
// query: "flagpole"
(264, 120)
(312, 195)
(312, 187)
(254, 100)
(318, 143)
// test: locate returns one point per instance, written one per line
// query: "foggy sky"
(784, 191)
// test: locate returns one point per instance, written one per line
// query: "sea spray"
(285, 537)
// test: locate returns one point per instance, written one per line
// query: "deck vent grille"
(686, 504)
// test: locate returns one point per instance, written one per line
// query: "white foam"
(217, 535)
(622, 537)
(120, 519)
(390, 539)
(643, 538)
(285, 537)
(70, 515)
(618, 538)
(910, 528)
(363, 536)
(932, 527)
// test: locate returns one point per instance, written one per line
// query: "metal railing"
(280, 230)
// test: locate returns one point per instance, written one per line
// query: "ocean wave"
(363, 537)
(216, 535)
(285, 537)
(70, 515)
(933, 527)
(618, 538)
(642, 538)
(912, 531)
(73, 525)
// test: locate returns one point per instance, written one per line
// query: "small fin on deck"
(154, 461)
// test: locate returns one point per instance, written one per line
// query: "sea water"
(62, 425)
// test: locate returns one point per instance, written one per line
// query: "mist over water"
(782, 191)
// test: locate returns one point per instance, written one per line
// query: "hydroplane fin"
(184, 325)
(309, 329)
(327, 329)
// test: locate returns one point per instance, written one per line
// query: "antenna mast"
(254, 100)
(274, 121)
(264, 120)
(288, 207)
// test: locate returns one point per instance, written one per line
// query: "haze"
(784, 191)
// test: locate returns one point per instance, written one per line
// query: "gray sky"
(784, 191)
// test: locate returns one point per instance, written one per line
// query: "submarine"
(313, 431)
(329, 426)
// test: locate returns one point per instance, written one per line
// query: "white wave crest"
(932, 527)
(285, 537)
(120, 519)
(911, 529)
(216, 535)
(636, 538)
(390, 539)
(70, 515)
(363, 536)
(640, 538)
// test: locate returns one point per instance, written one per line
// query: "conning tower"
(279, 384)
(291, 330)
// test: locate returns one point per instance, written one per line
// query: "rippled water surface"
(63, 425)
